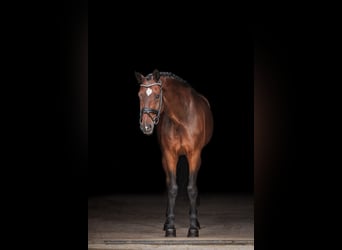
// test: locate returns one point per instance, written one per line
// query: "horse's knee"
(192, 191)
(173, 190)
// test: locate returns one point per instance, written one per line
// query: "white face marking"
(148, 91)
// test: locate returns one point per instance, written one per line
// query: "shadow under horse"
(184, 124)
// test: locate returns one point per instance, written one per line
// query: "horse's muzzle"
(147, 129)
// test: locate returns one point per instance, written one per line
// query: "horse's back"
(205, 99)
(208, 124)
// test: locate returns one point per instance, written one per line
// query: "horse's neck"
(177, 102)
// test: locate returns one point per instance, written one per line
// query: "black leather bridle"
(148, 111)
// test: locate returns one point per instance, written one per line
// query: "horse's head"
(151, 98)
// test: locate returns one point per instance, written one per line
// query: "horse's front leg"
(194, 165)
(169, 164)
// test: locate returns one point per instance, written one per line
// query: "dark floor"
(136, 222)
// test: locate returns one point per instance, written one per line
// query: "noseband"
(147, 110)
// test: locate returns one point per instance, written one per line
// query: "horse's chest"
(177, 139)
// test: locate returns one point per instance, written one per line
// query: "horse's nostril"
(148, 127)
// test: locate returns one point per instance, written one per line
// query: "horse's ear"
(139, 77)
(156, 75)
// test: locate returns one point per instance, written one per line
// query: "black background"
(83, 139)
(217, 56)
(51, 165)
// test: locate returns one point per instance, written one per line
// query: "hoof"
(193, 232)
(170, 232)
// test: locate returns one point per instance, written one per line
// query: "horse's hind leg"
(169, 164)
(194, 165)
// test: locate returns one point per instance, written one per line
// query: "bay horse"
(184, 124)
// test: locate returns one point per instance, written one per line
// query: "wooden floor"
(136, 222)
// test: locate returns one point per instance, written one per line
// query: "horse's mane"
(170, 75)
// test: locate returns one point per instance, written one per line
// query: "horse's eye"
(157, 96)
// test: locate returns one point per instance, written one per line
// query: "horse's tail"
(182, 177)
